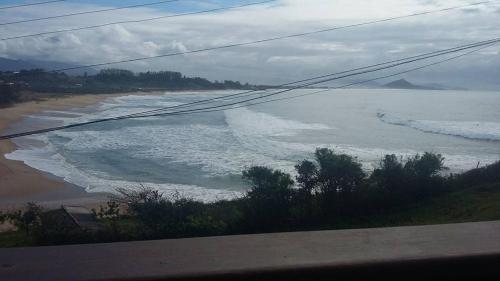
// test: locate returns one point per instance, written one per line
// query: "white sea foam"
(248, 122)
(45, 159)
(219, 150)
(240, 139)
(467, 129)
(64, 113)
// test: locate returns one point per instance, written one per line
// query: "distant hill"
(404, 84)
(16, 65)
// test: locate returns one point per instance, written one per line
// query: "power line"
(246, 93)
(208, 109)
(136, 21)
(30, 4)
(88, 12)
(309, 84)
(266, 40)
(331, 88)
(367, 81)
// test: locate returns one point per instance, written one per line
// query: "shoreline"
(20, 183)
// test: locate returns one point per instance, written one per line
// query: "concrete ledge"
(459, 251)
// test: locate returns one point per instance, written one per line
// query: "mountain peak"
(405, 84)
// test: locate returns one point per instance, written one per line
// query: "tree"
(269, 198)
(307, 176)
(390, 174)
(338, 173)
(9, 92)
(268, 184)
(304, 201)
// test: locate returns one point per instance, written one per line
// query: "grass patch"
(15, 239)
(479, 203)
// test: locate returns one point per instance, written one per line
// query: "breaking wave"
(489, 131)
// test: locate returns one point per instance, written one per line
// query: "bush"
(335, 179)
(56, 227)
(487, 174)
(425, 166)
(332, 191)
(26, 219)
(410, 180)
(48, 227)
(170, 218)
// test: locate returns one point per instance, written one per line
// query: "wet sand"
(20, 183)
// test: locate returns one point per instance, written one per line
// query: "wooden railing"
(466, 251)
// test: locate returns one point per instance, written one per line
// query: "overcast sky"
(271, 62)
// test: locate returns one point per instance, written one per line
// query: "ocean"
(201, 156)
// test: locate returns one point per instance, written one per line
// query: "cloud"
(270, 62)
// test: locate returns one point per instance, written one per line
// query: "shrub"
(487, 174)
(26, 219)
(405, 181)
(47, 227)
(425, 166)
(170, 218)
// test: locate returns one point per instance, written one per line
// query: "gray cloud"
(279, 61)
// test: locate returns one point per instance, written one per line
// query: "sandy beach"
(20, 183)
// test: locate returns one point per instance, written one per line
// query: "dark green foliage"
(404, 181)
(307, 176)
(425, 166)
(25, 220)
(47, 227)
(487, 174)
(268, 185)
(304, 202)
(268, 200)
(112, 211)
(331, 192)
(9, 93)
(339, 178)
(106, 81)
(56, 227)
(170, 218)
(338, 173)
(328, 187)
(390, 175)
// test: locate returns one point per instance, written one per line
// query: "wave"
(219, 146)
(477, 130)
(259, 133)
(218, 149)
(250, 122)
(47, 160)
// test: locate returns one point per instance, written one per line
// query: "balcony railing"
(466, 251)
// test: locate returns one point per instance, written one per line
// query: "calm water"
(202, 155)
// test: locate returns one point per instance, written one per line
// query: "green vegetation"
(106, 81)
(9, 93)
(332, 191)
